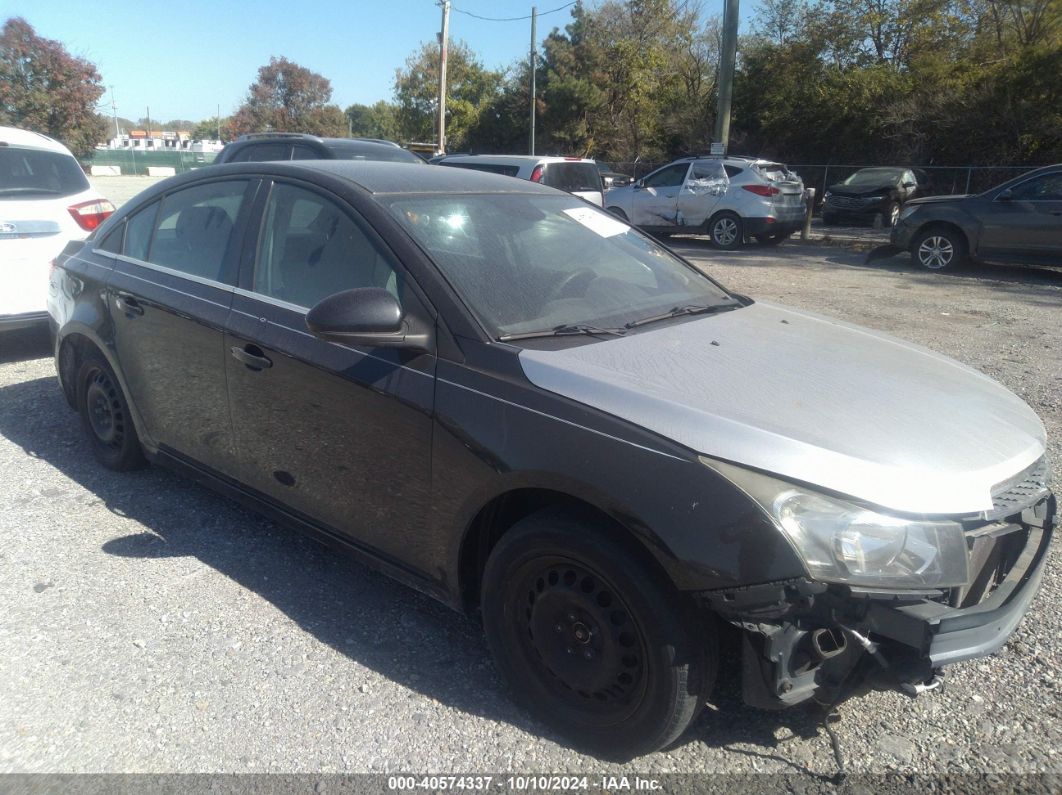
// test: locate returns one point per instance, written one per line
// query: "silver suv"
(575, 175)
(730, 199)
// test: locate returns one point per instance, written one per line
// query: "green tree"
(288, 98)
(379, 120)
(471, 89)
(45, 89)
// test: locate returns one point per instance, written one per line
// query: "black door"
(169, 298)
(340, 434)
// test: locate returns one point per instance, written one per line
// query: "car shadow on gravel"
(24, 344)
(404, 636)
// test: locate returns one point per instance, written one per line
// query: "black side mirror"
(1005, 195)
(366, 316)
(637, 184)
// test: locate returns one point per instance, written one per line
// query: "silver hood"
(809, 398)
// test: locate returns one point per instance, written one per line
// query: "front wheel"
(591, 640)
(939, 249)
(725, 231)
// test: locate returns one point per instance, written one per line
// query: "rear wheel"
(725, 231)
(105, 416)
(593, 641)
(939, 249)
(616, 211)
(829, 219)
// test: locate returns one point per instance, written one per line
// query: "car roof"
(12, 136)
(383, 177)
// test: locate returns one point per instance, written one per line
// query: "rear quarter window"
(37, 174)
(572, 177)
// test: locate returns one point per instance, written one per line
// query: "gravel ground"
(147, 625)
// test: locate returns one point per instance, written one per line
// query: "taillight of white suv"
(90, 214)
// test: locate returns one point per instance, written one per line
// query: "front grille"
(1015, 494)
(847, 202)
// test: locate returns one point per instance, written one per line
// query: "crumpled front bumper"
(804, 640)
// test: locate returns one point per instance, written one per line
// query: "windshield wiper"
(564, 330)
(677, 311)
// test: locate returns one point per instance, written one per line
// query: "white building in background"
(160, 141)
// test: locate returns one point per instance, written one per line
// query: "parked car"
(729, 199)
(571, 174)
(45, 201)
(870, 194)
(522, 406)
(612, 179)
(1019, 221)
(298, 146)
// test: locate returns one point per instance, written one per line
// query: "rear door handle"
(126, 303)
(252, 356)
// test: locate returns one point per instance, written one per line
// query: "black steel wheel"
(105, 416)
(593, 641)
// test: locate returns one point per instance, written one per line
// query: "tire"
(591, 640)
(829, 219)
(616, 211)
(939, 249)
(725, 231)
(106, 417)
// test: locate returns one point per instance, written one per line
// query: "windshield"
(35, 173)
(527, 263)
(873, 176)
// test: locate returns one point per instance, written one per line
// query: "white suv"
(45, 201)
(575, 175)
(730, 199)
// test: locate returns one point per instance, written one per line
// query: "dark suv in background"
(258, 147)
(870, 194)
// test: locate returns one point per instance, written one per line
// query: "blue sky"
(183, 59)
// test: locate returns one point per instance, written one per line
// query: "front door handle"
(126, 303)
(252, 356)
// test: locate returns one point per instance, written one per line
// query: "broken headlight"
(840, 541)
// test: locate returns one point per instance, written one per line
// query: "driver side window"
(311, 248)
(1045, 188)
(669, 177)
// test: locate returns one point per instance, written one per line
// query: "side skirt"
(264, 505)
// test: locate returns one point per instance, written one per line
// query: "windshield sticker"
(597, 221)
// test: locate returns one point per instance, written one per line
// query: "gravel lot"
(147, 625)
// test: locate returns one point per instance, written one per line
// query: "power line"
(510, 19)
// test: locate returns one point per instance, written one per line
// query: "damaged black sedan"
(524, 407)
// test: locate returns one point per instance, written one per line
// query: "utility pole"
(534, 58)
(444, 43)
(218, 117)
(114, 112)
(147, 141)
(726, 75)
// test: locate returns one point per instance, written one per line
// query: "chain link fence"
(932, 180)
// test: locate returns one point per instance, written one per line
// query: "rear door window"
(573, 177)
(37, 174)
(304, 152)
(194, 228)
